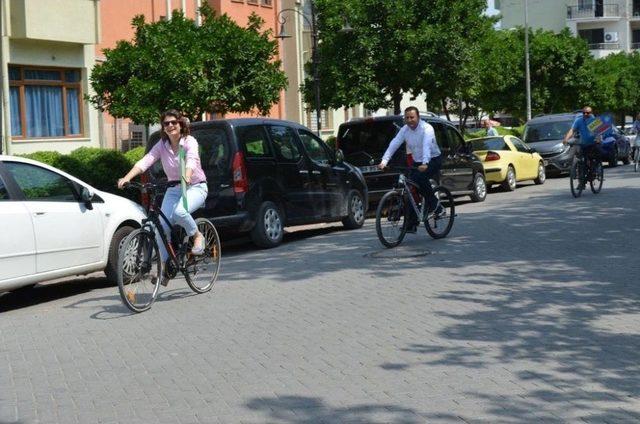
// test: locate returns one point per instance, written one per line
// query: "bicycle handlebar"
(143, 187)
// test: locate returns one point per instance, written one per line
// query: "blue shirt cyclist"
(581, 125)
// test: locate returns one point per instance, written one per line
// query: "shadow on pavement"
(307, 410)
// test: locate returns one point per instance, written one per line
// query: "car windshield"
(546, 131)
(493, 143)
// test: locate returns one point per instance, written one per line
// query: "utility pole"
(526, 58)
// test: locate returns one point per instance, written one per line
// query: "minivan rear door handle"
(316, 172)
(303, 171)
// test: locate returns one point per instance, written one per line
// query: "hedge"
(100, 168)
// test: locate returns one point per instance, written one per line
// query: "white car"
(54, 225)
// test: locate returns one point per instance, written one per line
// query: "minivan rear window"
(254, 141)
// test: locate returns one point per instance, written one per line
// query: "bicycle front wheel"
(598, 177)
(576, 179)
(201, 271)
(391, 219)
(440, 221)
(139, 270)
(636, 160)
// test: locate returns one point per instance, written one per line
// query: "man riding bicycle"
(589, 145)
(427, 160)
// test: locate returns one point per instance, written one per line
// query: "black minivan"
(363, 141)
(265, 174)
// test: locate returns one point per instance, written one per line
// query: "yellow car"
(507, 160)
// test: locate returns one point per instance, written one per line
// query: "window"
(41, 184)
(214, 151)
(520, 146)
(267, 2)
(441, 137)
(314, 147)
(254, 142)
(252, 1)
(4, 194)
(455, 141)
(494, 143)
(592, 36)
(45, 102)
(284, 143)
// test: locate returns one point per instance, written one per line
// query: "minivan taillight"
(491, 156)
(240, 180)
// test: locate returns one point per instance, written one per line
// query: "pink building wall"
(116, 18)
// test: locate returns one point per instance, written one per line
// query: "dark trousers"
(422, 179)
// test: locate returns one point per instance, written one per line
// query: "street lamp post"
(526, 59)
(313, 24)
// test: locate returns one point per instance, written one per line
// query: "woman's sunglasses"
(167, 123)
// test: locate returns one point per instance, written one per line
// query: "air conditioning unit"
(611, 37)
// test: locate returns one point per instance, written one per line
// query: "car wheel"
(613, 160)
(114, 248)
(509, 183)
(355, 211)
(269, 228)
(479, 189)
(542, 174)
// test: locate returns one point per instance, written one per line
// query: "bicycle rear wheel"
(201, 271)
(391, 219)
(576, 179)
(598, 177)
(438, 225)
(139, 270)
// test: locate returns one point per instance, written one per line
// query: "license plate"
(368, 169)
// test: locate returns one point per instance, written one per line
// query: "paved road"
(528, 312)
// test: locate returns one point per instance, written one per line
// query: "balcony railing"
(604, 46)
(608, 10)
(635, 46)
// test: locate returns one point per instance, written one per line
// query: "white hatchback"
(54, 225)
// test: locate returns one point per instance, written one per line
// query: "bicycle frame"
(406, 185)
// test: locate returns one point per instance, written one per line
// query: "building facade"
(44, 68)
(608, 26)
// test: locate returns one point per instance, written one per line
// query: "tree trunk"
(397, 98)
(445, 109)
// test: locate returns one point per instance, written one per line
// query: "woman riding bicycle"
(175, 141)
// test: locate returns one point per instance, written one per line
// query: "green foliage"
(217, 67)
(134, 155)
(99, 168)
(561, 72)
(615, 86)
(396, 46)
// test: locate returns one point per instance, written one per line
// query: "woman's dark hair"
(184, 123)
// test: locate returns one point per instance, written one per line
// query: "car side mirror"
(339, 156)
(87, 197)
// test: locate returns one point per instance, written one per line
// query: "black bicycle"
(585, 170)
(140, 267)
(394, 209)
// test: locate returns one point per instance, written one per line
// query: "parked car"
(54, 225)
(364, 141)
(617, 147)
(266, 174)
(545, 133)
(507, 159)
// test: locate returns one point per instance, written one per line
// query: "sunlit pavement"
(528, 312)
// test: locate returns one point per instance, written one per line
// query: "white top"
(421, 142)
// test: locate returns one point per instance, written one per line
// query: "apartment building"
(44, 68)
(608, 26)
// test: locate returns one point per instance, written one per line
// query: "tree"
(561, 72)
(615, 86)
(397, 46)
(217, 67)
